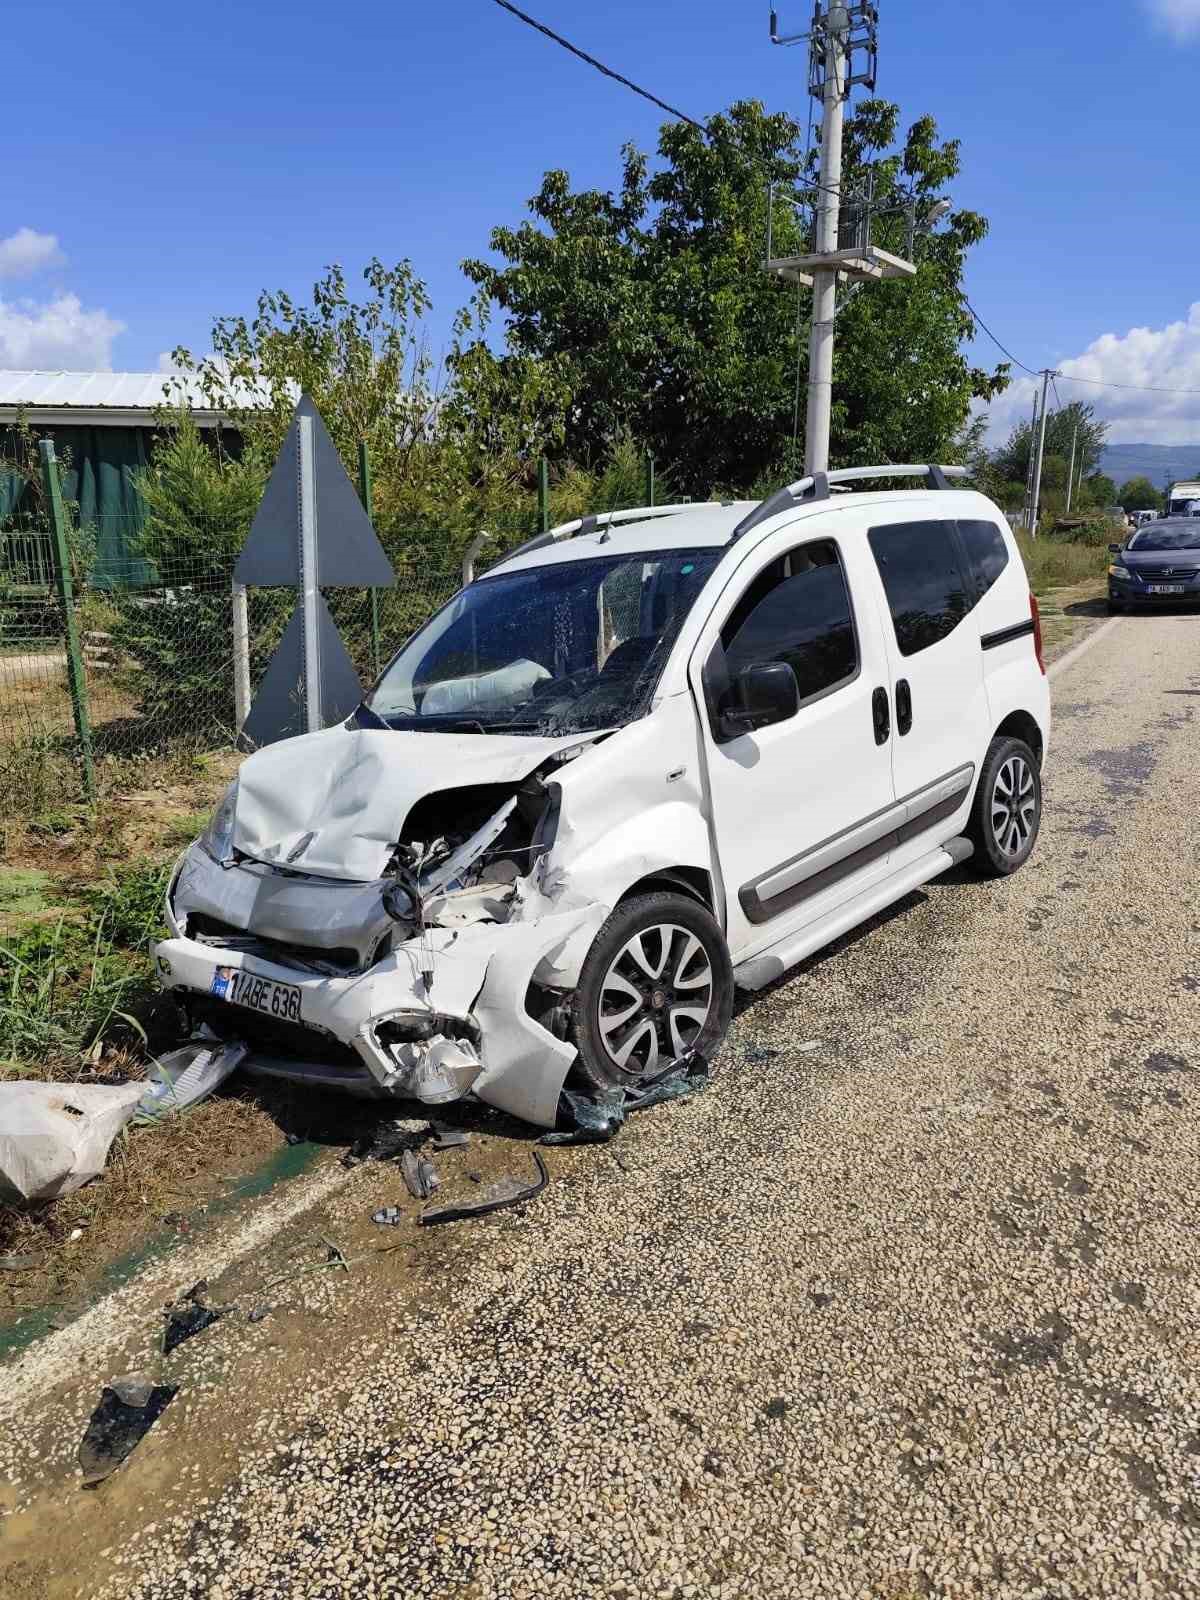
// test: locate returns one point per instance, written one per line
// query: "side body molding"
(865, 841)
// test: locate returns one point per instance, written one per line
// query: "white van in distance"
(649, 756)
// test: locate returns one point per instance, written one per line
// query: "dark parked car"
(1158, 565)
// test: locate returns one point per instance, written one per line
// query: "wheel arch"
(692, 881)
(1021, 725)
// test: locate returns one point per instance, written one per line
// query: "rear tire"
(1006, 813)
(656, 985)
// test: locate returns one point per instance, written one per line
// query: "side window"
(987, 553)
(923, 580)
(796, 611)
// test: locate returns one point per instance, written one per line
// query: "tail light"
(1037, 632)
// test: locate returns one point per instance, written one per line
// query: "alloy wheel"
(655, 998)
(1014, 806)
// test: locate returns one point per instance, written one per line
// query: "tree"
(1099, 490)
(647, 305)
(1077, 421)
(1139, 494)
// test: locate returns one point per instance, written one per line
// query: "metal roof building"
(98, 399)
(104, 426)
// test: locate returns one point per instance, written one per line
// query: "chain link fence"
(107, 655)
(152, 652)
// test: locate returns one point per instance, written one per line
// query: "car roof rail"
(580, 527)
(819, 486)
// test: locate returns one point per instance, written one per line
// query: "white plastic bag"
(54, 1137)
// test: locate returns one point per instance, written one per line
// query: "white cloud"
(58, 333)
(1180, 18)
(25, 252)
(1150, 360)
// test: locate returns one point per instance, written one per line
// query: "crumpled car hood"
(351, 789)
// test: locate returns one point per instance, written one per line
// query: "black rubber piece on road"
(989, 861)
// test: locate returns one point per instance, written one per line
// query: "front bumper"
(480, 977)
(1137, 593)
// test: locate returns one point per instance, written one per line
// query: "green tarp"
(99, 466)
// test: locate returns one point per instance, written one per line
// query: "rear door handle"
(881, 716)
(903, 706)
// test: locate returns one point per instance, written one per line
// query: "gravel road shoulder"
(904, 1305)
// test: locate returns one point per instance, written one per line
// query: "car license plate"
(1165, 588)
(243, 988)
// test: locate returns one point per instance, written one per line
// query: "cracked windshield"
(565, 648)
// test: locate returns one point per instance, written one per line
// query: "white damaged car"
(649, 756)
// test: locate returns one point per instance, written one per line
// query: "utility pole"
(1047, 374)
(1071, 468)
(840, 31)
(1028, 506)
(824, 302)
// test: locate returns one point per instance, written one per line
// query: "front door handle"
(881, 716)
(903, 706)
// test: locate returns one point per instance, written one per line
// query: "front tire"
(656, 985)
(1006, 814)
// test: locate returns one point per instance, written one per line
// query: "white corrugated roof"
(107, 396)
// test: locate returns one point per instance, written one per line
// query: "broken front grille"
(310, 958)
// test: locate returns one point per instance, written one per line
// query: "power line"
(980, 323)
(646, 94)
(1139, 388)
(1069, 377)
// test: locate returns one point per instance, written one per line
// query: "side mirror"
(1115, 549)
(764, 693)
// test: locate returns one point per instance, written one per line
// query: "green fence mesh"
(157, 646)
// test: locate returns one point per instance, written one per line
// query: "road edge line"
(1076, 650)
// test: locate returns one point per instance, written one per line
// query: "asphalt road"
(904, 1305)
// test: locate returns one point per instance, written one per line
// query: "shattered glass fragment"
(594, 1119)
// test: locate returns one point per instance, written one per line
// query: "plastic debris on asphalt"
(54, 1137)
(387, 1141)
(498, 1196)
(186, 1076)
(419, 1175)
(129, 1407)
(189, 1316)
(450, 1138)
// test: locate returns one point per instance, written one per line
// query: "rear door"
(939, 703)
(799, 809)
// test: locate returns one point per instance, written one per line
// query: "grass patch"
(1060, 563)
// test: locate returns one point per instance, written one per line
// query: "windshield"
(1161, 538)
(572, 646)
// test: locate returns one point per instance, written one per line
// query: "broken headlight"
(217, 838)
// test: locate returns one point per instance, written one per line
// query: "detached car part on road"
(649, 756)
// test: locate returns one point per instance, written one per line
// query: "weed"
(1059, 563)
(128, 907)
(183, 829)
(61, 991)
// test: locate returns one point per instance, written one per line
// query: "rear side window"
(923, 579)
(796, 611)
(987, 553)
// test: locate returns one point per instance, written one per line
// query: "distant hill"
(1158, 462)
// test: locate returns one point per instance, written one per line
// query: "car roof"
(712, 525)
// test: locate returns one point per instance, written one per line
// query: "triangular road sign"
(349, 555)
(278, 711)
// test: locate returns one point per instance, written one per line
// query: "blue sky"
(185, 157)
